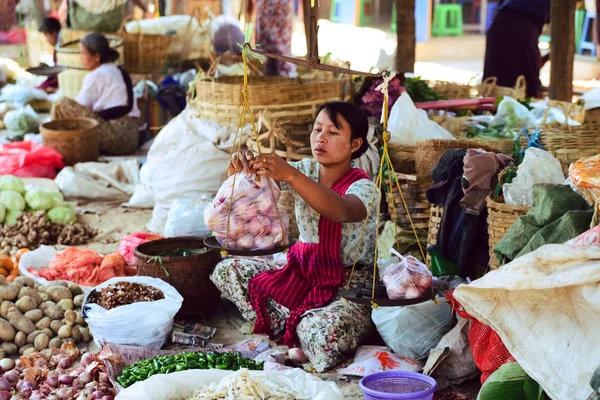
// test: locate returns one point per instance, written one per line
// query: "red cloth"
(312, 277)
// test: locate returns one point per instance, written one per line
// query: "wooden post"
(562, 49)
(306, 15)
(406, 37)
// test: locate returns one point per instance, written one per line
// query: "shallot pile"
(249, 221)
(405, 278)
(51, 377)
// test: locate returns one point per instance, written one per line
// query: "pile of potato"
(36, 317)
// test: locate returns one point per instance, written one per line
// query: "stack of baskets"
(429, 152)
(414, 192)
(489, 88)
(68, 54)
(501, 217)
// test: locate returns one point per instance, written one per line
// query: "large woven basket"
(452, 90)
(435, 222)
(414, 192)
(402, 158)
(291, 142)
(70, 82)
(569, 144)
(489, 88)
(501, 217)
(430, 151)
(69, 53)
(77, 139)
(190, 275)
(72, 35)
(286, 99)
(459, 128)
(145, 54)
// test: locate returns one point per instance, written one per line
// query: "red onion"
(40, 363)
(77, 385)
(64, 363)
(52, 397)
(85, 378)
(5, 384)
(64, 393)
(37, 396)
(103, 378)
(108, 398)
(4, 395)
(26, 393)
(17, 397)
(65, 380)
(12, 376)
(98, 394)
(19, 385)
(87, 359)
(52, 381)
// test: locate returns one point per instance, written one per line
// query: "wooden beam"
(306, 17)
(562, 49)
(406, 38)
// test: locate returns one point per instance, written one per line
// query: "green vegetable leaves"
(419, 91)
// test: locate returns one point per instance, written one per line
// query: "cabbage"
(2, 213)
(11, 217)
(9, 182)
(62, 215)
(12, 200)
(57, 197)
(21, 122)
(39, 199)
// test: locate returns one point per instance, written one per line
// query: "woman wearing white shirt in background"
(106, 96)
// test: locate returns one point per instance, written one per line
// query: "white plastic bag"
(244, 215)
(186, 218)
(404, 277)
(138, 324)
(371, 359)
(407, 124)
(555, 114)
(413, 330)
(512, 115)
(38, 259)
(181, 385)
(538, 166)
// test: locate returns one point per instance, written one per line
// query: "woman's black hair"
(95, 43)
(359, 124)
(50, 25)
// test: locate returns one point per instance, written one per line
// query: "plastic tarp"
(181, 385)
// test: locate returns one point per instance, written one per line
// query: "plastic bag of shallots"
(244, 214)
(404, 277)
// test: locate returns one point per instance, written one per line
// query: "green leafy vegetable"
(419, 91)
(9, 182)
(11, 217)
(62, 215)
(12, 200)
(2, 213)
(39, 199)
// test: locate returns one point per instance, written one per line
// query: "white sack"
(408, 124)
(94, 180)
(147, 323)
(545, 306)
(181, 385)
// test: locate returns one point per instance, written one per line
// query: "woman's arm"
(348, 208)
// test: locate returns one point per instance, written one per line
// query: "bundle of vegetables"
(39, 318)
(419, 91)
(85, 267)
(372, 101)
(143, 370)
(51, 377)
(36, 229)
(404, 277)
(244, 214)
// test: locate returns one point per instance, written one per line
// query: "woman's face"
(90, 62)
(331, 145)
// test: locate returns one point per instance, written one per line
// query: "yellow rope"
(385, 162)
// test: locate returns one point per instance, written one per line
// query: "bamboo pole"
(406, 37)
(562, 49)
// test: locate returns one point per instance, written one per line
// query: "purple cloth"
(539, 9)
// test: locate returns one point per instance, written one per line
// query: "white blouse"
(105, 88)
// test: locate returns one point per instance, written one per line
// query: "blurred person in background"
(50, 28)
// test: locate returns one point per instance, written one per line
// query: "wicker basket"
(414, 192)
(36, 46)
(459, 128)
(435, 222)
(145, 54)
(77, 139)
(292, 100)
(190, 275)
(40, 106)
(72, 35)
(291, 142)
(402, 158)
(501, 217)
(430, 151)
(69, 53)
(452, 90)
(70, 82)
(569, 144)
(287, 206)
(489, 88)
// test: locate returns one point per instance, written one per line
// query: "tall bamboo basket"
(145, 54)
(501, 217)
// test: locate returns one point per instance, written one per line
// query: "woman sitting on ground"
(106, 96)
(333, 199)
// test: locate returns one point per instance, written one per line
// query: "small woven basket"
(396, 385)
(69, 53)
(501, 217)
(292, 100)
(77, 140)
(452, 90)
(145, 54)
(430, 151)
(70, 82)
(414, 193)
(489, 88)
(435, 222)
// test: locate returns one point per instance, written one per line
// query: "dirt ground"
(113, 222)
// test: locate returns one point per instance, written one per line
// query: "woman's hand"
(274, 167)
(240, 162)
